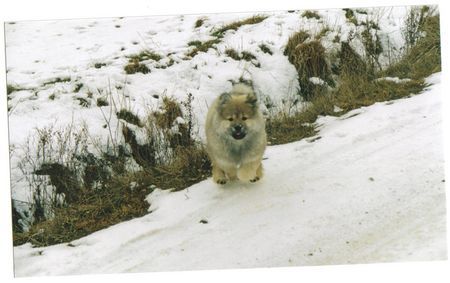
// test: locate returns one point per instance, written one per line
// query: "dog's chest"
(238, 152)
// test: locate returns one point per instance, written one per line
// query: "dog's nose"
(238, 128)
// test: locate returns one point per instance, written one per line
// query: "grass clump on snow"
(135, 64)
(12, 88)
(99, 65)
(311, 15)
(350, 16)
(128, 116)
(201, 46)
(247, 56)
(232, 53)
(266, 49)
(101, 101)
(199, 22)
(145, 55)
(235, 25)
(57, 80)
(244, 55)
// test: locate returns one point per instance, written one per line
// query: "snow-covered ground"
(371, 189)
(92, 53)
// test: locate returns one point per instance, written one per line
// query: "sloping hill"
(370, 189)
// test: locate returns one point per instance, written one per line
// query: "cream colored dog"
(235, 136)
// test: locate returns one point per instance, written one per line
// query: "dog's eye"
(230, 119)
(244, 118)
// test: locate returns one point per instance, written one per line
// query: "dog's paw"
(256, 179)
(221, 181)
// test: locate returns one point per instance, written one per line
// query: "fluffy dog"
(235, 136)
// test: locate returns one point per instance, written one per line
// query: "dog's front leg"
(251, 171)
(218, 175)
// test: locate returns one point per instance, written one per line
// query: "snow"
(368, 188)
(39, 52)
(317, 81)
(371, 189)
(394, 79)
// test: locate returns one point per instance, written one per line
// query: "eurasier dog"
(235, 136)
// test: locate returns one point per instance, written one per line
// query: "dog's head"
(238, 110)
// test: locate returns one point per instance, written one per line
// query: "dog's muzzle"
(238, 132)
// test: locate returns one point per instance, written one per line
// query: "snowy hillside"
(371, 189)
(59, 69)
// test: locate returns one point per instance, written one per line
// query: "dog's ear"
(251, 99)
(224, 98)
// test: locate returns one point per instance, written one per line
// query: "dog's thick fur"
(235, 136)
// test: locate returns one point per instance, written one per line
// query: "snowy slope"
(39, 52)
(371, 189)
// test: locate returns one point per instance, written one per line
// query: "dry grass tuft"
(201, 46)
(309, 59)
(311, 15)
(235, 25)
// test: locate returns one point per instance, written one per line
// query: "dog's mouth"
(238, 135)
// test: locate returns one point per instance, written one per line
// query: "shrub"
(309, 59)
(188, 166)
(117, 200)
(76, 192)
(372, 46)
(50, 168)
(414, 24)
(178, 133)
(16, 219)
(294, 40)
(351, 63)
(424, 57)
(359, 79)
